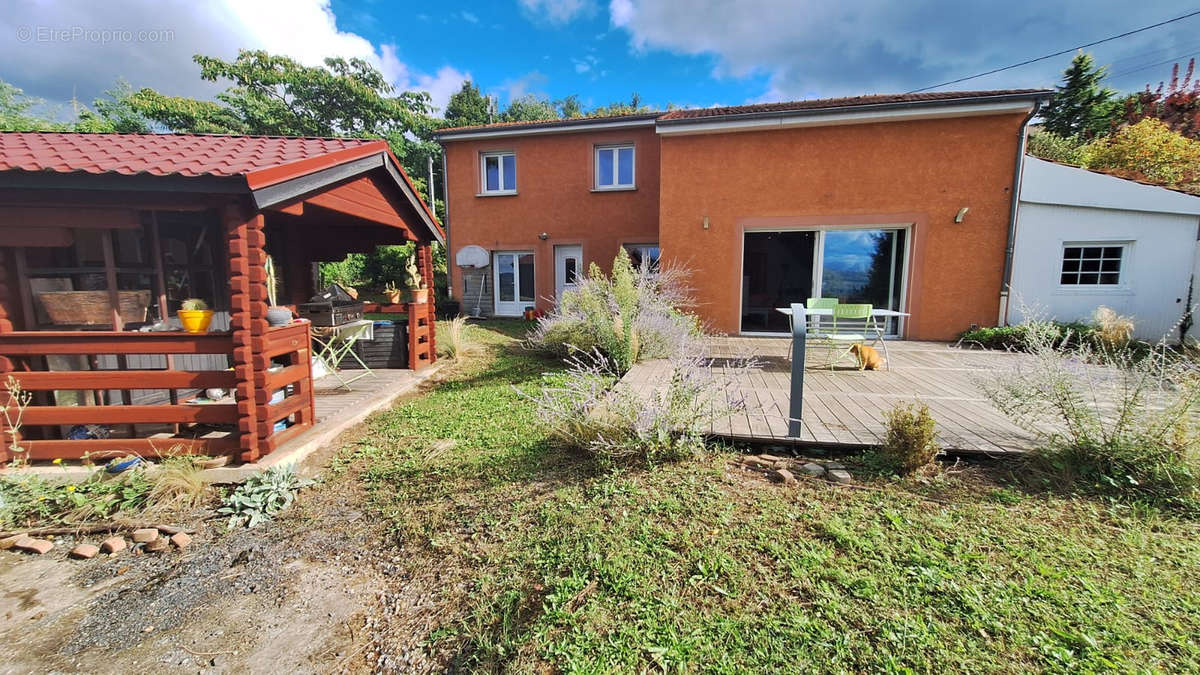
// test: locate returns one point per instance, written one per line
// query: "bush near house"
(633, 315)
(1111, 419)
(1147, 151)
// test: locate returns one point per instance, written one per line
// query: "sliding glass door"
(859, 265)
(777, 270)
(864, 266)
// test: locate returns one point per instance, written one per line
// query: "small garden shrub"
(633, 315)
(29, 500)
(1108, 419)
(910, 443)
(453, 342)
(582, 409)
(262, 496)
(1112, 329)
(179, 483)
(1019, 337)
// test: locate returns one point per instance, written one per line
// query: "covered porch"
(102, 238)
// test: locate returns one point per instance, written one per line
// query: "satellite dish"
(472, 256)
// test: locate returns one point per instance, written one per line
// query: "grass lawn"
(549, 563)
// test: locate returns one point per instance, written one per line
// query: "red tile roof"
(763, 108)
(567, 121)
(263, 160)
(848, 102)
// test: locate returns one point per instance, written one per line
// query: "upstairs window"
(498, 173)
(614, 167)
(1092, 265)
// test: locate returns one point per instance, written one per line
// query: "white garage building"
(1085, 239)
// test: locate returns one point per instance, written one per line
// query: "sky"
(690, 53)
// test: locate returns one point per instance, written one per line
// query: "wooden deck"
(844, 407)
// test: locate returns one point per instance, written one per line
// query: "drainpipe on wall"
(1018, 170)
(446, 222)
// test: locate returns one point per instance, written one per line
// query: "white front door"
(512, 276)
(568, 267)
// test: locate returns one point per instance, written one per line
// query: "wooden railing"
(289, 347)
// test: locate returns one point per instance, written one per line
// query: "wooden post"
(248, 323)
(6, 365)
(425, 264)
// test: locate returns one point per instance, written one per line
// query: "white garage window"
(1086, 264)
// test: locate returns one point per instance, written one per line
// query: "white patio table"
(877, 313)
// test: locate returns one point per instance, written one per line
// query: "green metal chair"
(853, 324)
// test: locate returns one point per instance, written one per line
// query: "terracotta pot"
(394, 297)
(195, 320)
(419, 296)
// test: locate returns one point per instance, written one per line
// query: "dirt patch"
(316, 590)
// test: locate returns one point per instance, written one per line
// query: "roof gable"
(1044, 182)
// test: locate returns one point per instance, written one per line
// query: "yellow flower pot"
(195, 320)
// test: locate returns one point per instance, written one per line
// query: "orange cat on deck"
(868, 358)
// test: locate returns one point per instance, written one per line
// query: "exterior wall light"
(543, 236)
(962, 213)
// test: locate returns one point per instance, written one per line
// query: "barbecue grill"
(331, 307)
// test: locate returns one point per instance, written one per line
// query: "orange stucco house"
(903, 201)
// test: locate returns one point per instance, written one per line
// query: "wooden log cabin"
(104, 235)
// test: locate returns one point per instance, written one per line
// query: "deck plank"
(845, 406)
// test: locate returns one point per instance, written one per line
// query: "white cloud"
(529, 83)
(468, 16)
(305, 30)
(558, 12)
(805, 48)
(585, 64)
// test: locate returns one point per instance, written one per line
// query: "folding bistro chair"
(814, 322)
(853, 324)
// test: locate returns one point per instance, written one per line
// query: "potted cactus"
(393, 293)
(417, 289)
(194, 315)
(276, 315)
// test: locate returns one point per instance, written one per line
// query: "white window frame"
(500, 155)
(641, 247)
(615, 148)
(1126, 247)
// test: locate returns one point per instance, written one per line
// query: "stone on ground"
(85, 551)
(758, 462)
(783, 476)
(181, 539)
(145, 535)
(9, 542)
(38, 546)
(813, 469)
(113, 544)
(158, 544)
(840, 476)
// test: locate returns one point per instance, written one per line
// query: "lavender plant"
(636, 313)
(585, 408)
(1108, 418)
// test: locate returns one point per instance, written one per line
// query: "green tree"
(17, 111)
(529, 108)
(468, 107)
(631, 107)
(570, 106)
(1081, 105)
